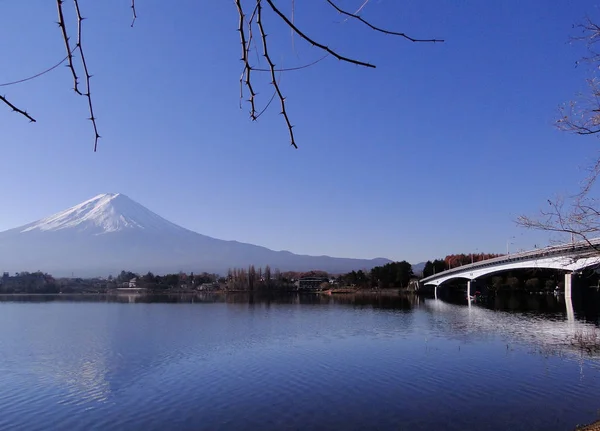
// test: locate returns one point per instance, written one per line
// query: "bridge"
(571, 258)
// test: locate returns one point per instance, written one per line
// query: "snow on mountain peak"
(105, 213)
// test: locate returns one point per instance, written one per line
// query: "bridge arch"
(473, 272)
(568, 263)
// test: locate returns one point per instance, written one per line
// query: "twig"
(87, 75)
(362, 6)
(292, 30)
(272, 67)
(245, 78)
(37, 75)
(250, 35)
(394, 33)
(17, 110)
(267, 105)
(579, 221)
(313, 42)
(63, 28)
(270, 100)
(291, 69)
(134, 12)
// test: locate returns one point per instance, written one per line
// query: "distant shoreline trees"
(454, 261)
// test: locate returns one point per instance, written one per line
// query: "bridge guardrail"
(526, 255)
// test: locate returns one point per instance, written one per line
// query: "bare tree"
(252, 24)
(251, 277)
(577, 215)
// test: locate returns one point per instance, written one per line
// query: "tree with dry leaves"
(578, 216)
(253, 23)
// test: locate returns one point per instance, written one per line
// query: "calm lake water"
(298, 363)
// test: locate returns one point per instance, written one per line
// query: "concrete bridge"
(570, 258)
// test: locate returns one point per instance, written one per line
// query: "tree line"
(453, 261)
(252, 278)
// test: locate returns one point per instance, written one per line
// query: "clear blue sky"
(436, 151)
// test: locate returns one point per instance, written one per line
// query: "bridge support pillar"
(469, 292)
(568, 285)
(435, 291)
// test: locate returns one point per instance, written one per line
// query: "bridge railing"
(579, 246)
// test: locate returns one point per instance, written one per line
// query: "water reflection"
(550, 321)
(584, 306)
(263, 361)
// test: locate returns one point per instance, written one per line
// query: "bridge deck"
(579, 247)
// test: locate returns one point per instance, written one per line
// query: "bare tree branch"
(591, 36)
(133, 12)
(291, 69)
(246, 41)
(250, 34)
(291, 29)
(273, 79)
(270, 100)
(361, 19)
(63, 28)
(578, 219)
(247, 68)
(582, 116)
(17, 110)
(87, 93)
(362, 6)
(579, 215)
(37, 75)
(312, 41)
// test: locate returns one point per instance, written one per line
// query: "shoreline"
(595, 426)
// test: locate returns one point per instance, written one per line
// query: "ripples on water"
(306, 362)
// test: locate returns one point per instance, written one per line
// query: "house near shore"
(310, 283)
(131, 284)
(208, 286)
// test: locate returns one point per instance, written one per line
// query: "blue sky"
(436, 151)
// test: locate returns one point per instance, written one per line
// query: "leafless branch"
(37, 75)
(578, 219)
(17, 110)
(270, 100)
(267, 105)
(87, 93)
(291, 69)
(245, 78)
(250, 34)
(361, 19)
(273, 79)
(133, 12)
(591, 36)
(362, 6)
(579, 215)
(246, 40)
(312, 41)
(291, 29)
(582, 116)
(63, 28)
(589, 181)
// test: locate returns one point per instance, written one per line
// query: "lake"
(297, 362)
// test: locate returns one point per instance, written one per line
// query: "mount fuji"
(111, 232)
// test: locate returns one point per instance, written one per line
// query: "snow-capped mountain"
(104, 214)
(111, 232)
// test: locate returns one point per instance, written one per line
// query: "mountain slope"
(111, 232)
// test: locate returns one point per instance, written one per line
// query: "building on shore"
(311, 283)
